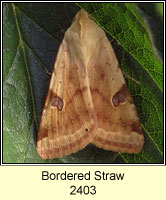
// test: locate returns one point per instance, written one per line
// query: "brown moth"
(88, 99)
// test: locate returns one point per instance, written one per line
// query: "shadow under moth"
(88, 100)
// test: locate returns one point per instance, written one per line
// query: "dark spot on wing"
(118, 98)
(121, 96)
(58, 102)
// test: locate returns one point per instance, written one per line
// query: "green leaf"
(32, 33)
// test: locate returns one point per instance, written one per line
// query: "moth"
(88, 100)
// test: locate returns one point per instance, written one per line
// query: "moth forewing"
(88, 100)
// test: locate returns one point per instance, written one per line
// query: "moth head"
(85, 32)
(82, 19)
(82, 14)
